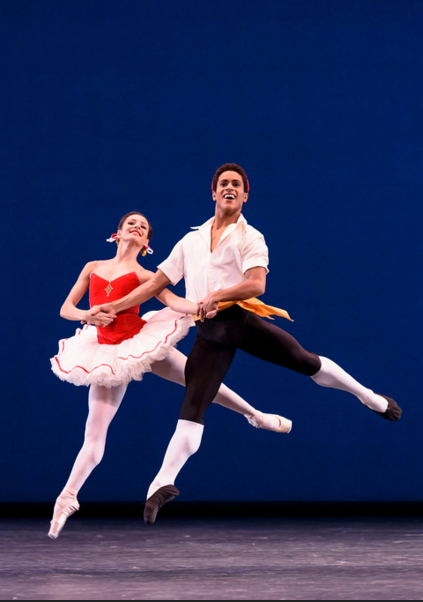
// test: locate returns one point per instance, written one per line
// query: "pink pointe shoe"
(270, 422)
(65, 506)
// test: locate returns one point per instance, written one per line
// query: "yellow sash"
(256, 306)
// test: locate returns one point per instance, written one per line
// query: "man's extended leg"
(266, 341)
(331, 375)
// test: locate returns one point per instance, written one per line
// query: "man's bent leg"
(184, 443)
(172, 368)
(206, 367)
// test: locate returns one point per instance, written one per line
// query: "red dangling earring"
(114, 238)
(146, 250)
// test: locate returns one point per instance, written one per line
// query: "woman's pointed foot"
(270, 422)
(158, 500)
(393, 412)
(65, 506)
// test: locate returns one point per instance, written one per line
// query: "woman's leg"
(172, 368)
(103, 404)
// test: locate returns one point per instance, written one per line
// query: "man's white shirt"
(240, 248)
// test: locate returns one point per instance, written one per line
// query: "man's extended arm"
(143, 293)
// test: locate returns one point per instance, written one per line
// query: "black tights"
(214, 349)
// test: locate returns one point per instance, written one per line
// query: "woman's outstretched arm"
(178, 304)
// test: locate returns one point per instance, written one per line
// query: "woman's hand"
(207, 308)
(99, 315)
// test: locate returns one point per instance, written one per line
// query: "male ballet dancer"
(226, 260)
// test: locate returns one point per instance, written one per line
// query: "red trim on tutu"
(118, 358)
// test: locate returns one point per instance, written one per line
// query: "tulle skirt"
(81, 360)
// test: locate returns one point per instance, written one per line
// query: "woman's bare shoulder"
(144, 275)
(89, 268)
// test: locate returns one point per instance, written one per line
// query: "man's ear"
(245, 197)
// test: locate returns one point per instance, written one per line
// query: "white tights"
(103, 403)
(187, 437)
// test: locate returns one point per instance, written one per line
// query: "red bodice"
(127, 323)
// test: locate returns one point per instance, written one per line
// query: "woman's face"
(135, 229)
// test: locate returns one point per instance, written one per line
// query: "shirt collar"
(241, 222)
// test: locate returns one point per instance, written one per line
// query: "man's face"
(230, 195)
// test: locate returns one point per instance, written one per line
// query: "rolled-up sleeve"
(255, 253)
(173, 266)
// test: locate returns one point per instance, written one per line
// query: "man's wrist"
(114, 306)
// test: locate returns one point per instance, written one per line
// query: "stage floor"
(212, 558)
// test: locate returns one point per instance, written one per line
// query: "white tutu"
(81, 360)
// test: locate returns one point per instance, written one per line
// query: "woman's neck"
(127, 253)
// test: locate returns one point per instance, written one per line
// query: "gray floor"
(213, 559)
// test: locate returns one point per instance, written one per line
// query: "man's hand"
(99, 315)
(207, 308)
(106, 308)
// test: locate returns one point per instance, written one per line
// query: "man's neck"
(222, 220)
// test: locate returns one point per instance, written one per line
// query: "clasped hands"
(99, 315)
(207, 308)
(103, 315)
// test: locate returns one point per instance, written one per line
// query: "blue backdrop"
(110, 106)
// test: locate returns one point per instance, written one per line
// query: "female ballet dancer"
(112, 350)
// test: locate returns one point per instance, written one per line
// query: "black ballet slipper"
(158, 500)
(393, 412)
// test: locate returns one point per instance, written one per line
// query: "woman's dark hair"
(230, 167)
(125, 217)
